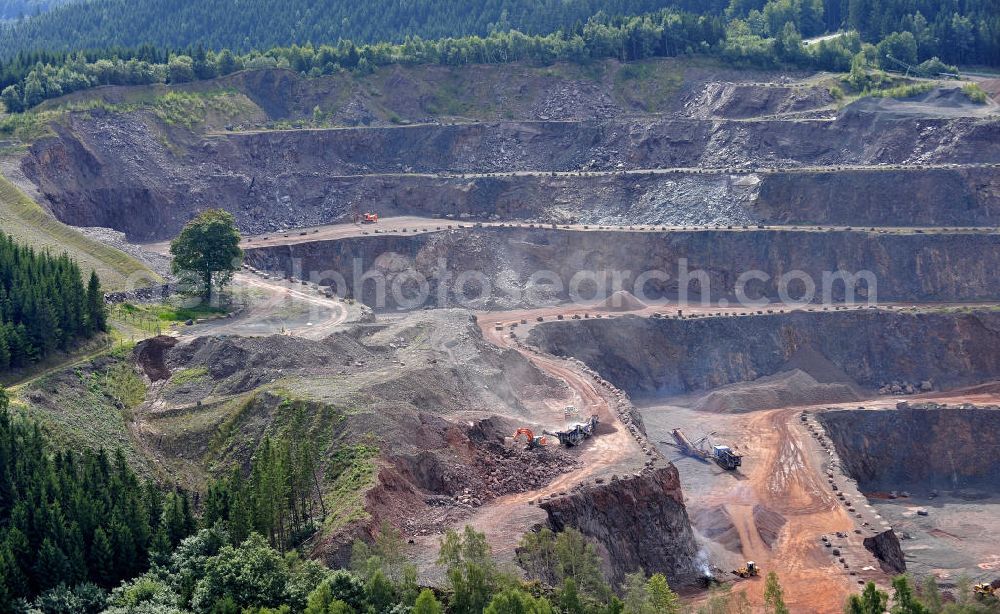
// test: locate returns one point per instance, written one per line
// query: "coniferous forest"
(105, 42)
(44, 305)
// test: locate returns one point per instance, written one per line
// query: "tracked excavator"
(532, 440)
(573, 436)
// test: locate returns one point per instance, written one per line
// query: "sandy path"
(789, 480)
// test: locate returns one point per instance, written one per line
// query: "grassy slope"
(77, 408)
(28, 222)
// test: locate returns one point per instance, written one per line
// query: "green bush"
(975, 93)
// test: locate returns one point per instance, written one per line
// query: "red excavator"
(369, 218)
(529, 435)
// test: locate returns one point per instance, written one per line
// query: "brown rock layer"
(638, 522)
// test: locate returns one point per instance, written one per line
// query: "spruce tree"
(96, 311)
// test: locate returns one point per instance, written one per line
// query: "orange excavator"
(529, 435)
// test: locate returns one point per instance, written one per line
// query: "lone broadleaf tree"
(209, 247)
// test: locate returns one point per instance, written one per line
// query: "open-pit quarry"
(576, 254)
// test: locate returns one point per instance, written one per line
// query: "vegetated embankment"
(646, 356)
(897, 267)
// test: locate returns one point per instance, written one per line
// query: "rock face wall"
(885, 546)
(870, 347)
(905, 267)
(918, 449)
(134, 173)
(639, 522)
(932, 197)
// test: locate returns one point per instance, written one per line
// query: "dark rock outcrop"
(134, 173)
(885, 546)
(903, 267)
(879, 197)
(917, 449)
(869, 346)
(151, 356)
(638, 522)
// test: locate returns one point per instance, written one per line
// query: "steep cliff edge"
(871, 347)
(918, 448)
(135, 173)
(638, 522)
(961, 266)
(886, 548)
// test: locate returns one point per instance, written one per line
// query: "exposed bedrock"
(918, 449)
(930, 197)
(886, 548)
(915, 267)
(638, 522)
(869, 347)
(131, 172)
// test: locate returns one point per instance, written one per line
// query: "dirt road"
(278, 306)
(613, 450)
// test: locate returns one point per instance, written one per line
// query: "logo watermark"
(395, 283)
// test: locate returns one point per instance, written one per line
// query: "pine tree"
(662, 599)
(96, 311)
(101, 559)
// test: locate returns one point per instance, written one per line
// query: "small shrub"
(974, 93)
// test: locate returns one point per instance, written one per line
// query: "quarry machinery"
(984, 590)
(686, 446)
(750, 570)
(529, 435)
(369, 218)
(704, 450)
(726, 458)
(576, 434)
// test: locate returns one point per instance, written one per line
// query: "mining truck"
(369, 218)
(576, 434)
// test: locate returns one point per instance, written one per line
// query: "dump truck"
(369, 218)
(576, 434)
(750, 570)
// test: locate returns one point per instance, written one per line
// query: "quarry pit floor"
(785, 472)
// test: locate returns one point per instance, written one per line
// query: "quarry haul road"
(415, 225)
(506, 519)
(786, 477)
(276, 306)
